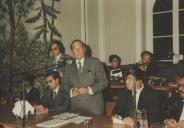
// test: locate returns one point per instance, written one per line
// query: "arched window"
(168, 29)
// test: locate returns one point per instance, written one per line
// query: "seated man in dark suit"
(174, 110)
(32, 93)
(147, 65)
(55, 99)
(146, 99)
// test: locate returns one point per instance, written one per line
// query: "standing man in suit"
(146, 99)
(85, 79)
(56, 98)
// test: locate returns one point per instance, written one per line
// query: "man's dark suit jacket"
(33, 96)
(173, 107)
(61, 102)
(92, 75)
(148, 100)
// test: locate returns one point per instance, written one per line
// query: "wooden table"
(8, 120)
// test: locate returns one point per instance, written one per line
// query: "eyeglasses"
(54, 49)
(49, 81)
(181, 85)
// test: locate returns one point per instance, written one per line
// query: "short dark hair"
(59, 44)
(113, 56)
(138, 73)
(77, 40)
(30, 78)
(53, 74)
(181, 76)
(146, 53)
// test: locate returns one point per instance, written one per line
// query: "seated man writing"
(55, 99)
(174, 110)
(146, 99)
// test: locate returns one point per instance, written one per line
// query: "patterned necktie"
(80, 66)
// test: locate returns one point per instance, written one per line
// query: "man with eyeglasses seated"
(55, 99)
(174, 110)
(146, 99)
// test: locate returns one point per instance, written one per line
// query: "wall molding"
(139, 28)
(149, 24)
(101, 30)
(84, 21)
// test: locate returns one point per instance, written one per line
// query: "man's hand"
(75, 92)
(170, 123)
(61, 74)
(128, 121)
(41, 108)
(84, 90)
(180, 124)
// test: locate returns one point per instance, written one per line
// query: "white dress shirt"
(182, 114)
(81, 61)
(57, 58)
(56, 90)
(138, 92)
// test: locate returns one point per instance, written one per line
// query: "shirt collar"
(56, 89)
(140, 89)
(59, 56)
(81, 60)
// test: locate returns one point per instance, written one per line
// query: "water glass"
(142, 121)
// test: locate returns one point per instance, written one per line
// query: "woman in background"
(115, 72)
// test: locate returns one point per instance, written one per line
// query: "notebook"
(52, 123)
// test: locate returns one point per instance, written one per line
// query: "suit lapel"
(50, 97)
(85, 65)
(75, 74)
(140, 102)
(57, 95)
(180, 107)
(52, 61)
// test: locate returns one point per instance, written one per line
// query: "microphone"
(66, 59)
(69, 59)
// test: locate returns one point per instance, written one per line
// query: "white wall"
(120, 29)
(92, 26)
(111, 28)
(70, 22)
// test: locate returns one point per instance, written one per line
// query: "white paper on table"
(117, 119)
(18, 109)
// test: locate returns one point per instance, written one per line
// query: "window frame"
(149, 26)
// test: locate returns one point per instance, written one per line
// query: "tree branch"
(18, 21)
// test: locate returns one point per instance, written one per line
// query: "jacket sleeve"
(100, 79)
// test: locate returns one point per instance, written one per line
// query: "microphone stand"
(134, 98)
(58, 65)
(23, 106)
